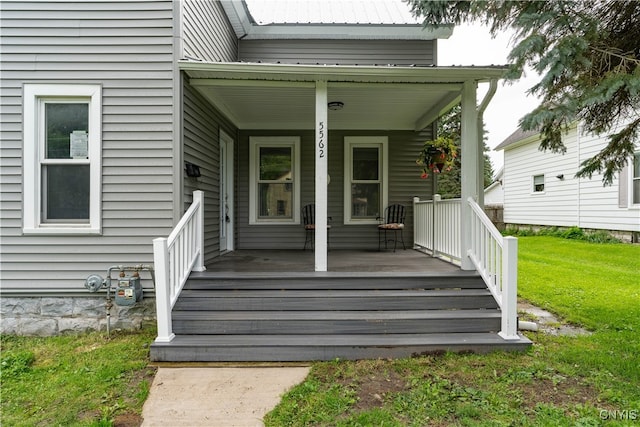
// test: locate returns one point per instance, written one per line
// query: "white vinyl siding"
(361, 204)
(567, 200)
(38, 159)
(126, 48)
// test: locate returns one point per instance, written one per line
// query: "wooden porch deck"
(261, 261)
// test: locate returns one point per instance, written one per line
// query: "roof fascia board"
(254, 71)
(345, 32)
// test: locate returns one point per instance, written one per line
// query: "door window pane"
(66, 130)
(66, 192)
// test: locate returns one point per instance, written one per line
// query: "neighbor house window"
(275, 180)
(365, 187)
(538, 183)
(62, 153)
(635, 185)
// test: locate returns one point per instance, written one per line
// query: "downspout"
(493, 85)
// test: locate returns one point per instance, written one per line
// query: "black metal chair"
(309, 221)
(393, 221)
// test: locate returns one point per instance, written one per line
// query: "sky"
(473, 45)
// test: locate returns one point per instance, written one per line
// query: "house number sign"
(321, 142)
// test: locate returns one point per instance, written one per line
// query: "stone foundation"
(46, 316)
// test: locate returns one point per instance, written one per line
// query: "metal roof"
(372, 12)
(328, 19)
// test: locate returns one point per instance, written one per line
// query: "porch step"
(286, 348)
(335, 322)
(243, 299)
(321, 316)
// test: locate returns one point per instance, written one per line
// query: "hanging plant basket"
(437, 156)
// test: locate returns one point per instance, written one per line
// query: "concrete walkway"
(215, 396)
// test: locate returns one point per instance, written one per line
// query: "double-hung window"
(62, 152)
(538, 183)
(274, 174)
(365, 185)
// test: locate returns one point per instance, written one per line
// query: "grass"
(88, 380)
(75, 380)
(562, 381)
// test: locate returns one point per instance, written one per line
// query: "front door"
(226, 192)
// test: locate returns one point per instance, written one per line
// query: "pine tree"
(588, 54)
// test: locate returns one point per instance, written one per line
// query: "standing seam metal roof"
(371, 12)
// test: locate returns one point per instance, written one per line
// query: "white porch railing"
(496, 259)
(437, 229)
(175, 257)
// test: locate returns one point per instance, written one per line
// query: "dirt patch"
(547, 322)
(127, 420)
(373, 389)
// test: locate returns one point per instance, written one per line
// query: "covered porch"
(341, 260)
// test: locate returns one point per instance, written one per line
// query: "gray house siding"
(404, 184)
(202, 124)
(340, 52)
(126, 47)
(207, 33)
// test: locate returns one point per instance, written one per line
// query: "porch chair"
(309, 221)
(393, 221)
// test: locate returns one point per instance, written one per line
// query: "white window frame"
(533, 184)
(255, 143)
(632, 203)
(35, 97)
(381, 142)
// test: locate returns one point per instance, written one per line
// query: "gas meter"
(129, 289)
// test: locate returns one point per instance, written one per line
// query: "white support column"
(321, 176)
(470, 165)
(509, 329)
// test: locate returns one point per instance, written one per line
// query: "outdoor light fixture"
(335, 105)
(560, 177)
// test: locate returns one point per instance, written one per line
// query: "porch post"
(470, 164)
(321, 176)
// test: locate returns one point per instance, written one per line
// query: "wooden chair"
(393, 221)
(309, 221)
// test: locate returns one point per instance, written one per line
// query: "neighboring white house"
(494, 194)
(541, 187)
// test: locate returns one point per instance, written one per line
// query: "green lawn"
(561, 381)
(75, 380)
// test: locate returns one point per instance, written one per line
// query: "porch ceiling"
(268, 96)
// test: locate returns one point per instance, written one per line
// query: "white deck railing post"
(510, 289)
(198, 196)
(163, 290)
(436, 226)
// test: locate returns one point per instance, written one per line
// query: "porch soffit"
(275, 96)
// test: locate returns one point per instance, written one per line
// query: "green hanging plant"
(437, 156)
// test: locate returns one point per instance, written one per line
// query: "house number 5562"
(321, 140)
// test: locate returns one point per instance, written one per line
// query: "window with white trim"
(274, 174)
(366, 177)
(538, 183)
(635, 180)
(62, 158)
